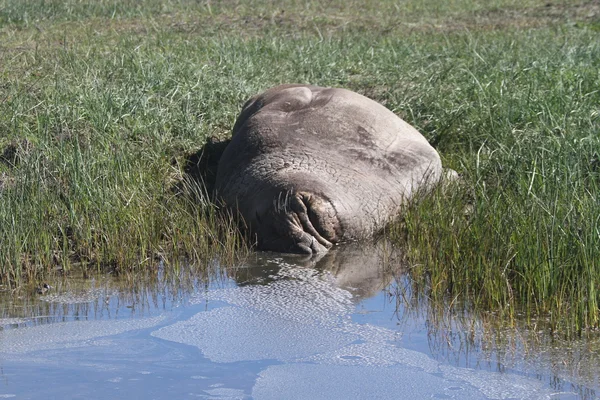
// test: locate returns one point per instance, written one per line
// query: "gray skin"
(308, 167)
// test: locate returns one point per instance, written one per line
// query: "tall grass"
(520, 232)
(100, 102)
(94, 168)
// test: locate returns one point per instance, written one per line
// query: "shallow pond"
(278, 327)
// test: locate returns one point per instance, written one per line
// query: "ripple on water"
(332, 382)
(304, 320)
(296, 294)
(87, 296)
(12, 321)
(67, 334)
(231, 334)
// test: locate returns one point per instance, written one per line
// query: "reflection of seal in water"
(361, 269)
(308, 167)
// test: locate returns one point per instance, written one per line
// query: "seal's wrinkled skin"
(308, 167)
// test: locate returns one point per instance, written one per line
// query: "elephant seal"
(308, 167)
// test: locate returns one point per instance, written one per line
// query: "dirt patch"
(287, 23)
(290, 21)
(549, 14)
(12, 153)
(589, 10)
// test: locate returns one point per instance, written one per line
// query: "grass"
(521, 232)
(101, 102)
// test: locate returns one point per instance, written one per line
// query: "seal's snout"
(309, 211)
(299, 222)
(310, 245)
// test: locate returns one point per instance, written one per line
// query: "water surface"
(277, 327)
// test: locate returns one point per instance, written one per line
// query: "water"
(342, 327)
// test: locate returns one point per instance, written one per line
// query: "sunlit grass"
(101, 102)
(519, 232)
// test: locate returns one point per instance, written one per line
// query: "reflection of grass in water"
(82, 295)
(101, 101)
(482, 340)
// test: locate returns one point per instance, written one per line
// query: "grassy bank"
(101, 101)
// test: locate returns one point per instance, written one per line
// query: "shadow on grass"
(201, 167)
